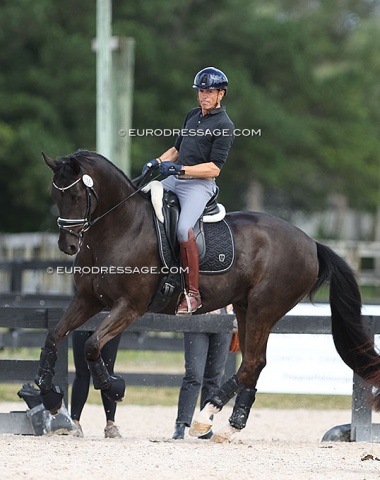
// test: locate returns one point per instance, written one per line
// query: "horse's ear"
(75, 166)
(50, 162)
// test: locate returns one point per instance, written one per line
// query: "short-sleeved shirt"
(205, 138)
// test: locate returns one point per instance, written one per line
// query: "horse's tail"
(351, 340)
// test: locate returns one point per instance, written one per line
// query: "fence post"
(16, 275)
(361, 414)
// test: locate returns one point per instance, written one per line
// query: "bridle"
(68, 223)
(86, 222)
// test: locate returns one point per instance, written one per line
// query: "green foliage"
(303, 73)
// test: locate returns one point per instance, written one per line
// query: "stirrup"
(190, 310)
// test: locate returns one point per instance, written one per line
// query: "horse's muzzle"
(68, 243)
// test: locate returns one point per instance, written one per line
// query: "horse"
(105, 220)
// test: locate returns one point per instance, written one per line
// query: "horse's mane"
(64, 168)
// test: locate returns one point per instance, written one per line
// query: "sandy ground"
(276, 444)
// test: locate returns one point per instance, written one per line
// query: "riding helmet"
(211, 78)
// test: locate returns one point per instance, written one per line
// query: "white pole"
(123, 74)
(103, 78)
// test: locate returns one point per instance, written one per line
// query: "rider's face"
(209, 99)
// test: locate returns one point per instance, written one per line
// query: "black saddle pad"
(220, 248)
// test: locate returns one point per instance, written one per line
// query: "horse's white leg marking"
(202, 422)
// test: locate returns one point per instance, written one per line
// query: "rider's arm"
(170, 155)
(203, 170)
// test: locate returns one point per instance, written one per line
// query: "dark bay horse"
(105, 221)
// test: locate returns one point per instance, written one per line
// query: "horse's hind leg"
(254, 328)
(203, 421)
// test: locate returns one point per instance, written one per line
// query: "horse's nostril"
(69, 249)
(72, 249)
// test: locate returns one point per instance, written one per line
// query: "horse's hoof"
(52, 399)
(225, 435)
(198, 429)
(220, 438)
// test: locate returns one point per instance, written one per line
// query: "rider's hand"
(170, 168)
(150, 165)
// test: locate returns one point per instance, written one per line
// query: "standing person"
(81, 383)
(191, 167)
(205, 359)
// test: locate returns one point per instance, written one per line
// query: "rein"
(86, 223)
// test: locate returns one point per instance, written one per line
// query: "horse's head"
(72, 191)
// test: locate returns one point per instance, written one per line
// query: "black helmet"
(210, 78)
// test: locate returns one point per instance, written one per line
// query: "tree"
(303, 74)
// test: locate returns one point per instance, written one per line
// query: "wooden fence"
(14, 317)
(21, 273)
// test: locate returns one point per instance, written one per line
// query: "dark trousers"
(81, 383)
(205, 360)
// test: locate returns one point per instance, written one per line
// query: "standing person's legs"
(219, 346)
(196, 347)
(108, 353)
(81, 383)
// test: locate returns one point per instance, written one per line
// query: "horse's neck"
(119, 190)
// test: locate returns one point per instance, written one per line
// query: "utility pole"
(114, 89)
(122, 85)
(103, 78)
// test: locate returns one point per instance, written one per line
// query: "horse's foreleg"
(113, 386)
(51, 394)
(77, 313)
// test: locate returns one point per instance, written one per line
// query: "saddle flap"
(171, 211)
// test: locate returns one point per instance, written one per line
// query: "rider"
(191, 167)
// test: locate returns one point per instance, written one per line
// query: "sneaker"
(112, 431)
(78, 432)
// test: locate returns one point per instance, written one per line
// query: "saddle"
(167, 209)
(213, 237)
